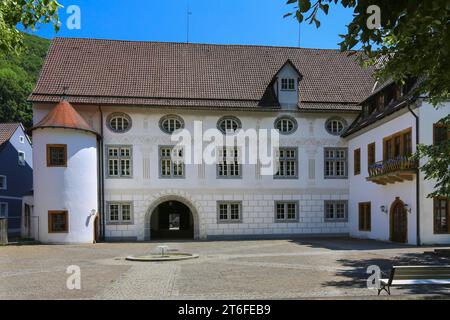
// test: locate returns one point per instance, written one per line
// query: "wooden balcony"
(392, 171)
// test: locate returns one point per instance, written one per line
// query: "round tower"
(65, 176)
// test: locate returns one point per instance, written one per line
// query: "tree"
(411, 39)
(27, 13)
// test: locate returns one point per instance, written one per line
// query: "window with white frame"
(287, 163)
(3, 210)
(171, 162)
(119, 122)
(229, 212)
(21, 158)
(335, 126)
(120, 212)
(229, 124)
(336, 210)
(3, 183)
(171, 123)
(21, 139)
(288, 84)
(286, 211)
(228, 163)
(336, 163)
(285, 124)
(119, 161)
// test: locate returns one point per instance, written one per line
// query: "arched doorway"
(399, 221)
(171, 220)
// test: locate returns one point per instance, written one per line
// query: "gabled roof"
(64, 116)
(6, 131)
(92, 71)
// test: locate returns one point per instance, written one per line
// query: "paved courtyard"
(263, 269)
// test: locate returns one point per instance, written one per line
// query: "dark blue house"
(16, 173)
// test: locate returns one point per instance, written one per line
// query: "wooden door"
(399, 222)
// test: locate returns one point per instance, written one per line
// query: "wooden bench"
(415, 275)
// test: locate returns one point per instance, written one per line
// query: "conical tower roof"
(64, 116)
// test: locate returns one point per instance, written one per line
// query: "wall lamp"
(407, 208)
(383, 209)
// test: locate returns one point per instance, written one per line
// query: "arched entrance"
(171, 220)
(399, 221)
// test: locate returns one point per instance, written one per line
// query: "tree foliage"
(18, 75)
(27, 14)
(412, 40)
(414, 34)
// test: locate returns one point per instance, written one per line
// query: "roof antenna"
(299, 31)
(64, 95)
(188, 13)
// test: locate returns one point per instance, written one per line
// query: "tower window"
(56, 155)
(58, 221)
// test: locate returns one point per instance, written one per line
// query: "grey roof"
(194, 75)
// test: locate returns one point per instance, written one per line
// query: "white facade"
(201, 189)
(384, 195)
(72, 188)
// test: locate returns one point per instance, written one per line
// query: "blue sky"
(257, 22)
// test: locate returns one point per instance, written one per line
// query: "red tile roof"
(192, 75)
(6, 131)
(64, 116)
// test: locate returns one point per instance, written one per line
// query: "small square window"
(21, 139)
(58, 222)
(120, 213)
(56, 155)
(288, 84)
(286, 211)
(336, 210)
(229, 212)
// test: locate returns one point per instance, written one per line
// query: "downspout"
(101, 179)
(417, 178)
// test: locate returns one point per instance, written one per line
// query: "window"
(441, 133)
(58, 222)
(357, 161)
(119, 122)
(171, 162)
(288, 84)
(21, 158)
(56, 155)
(285, 125)
(335, 210)
(3, 183)
(287, 163)
(286, 211)
(119, 161)
(441, 215)
(21, 139)
(3, 210)
(228, 124)
(335, 126)
(397, 145)
(228, 164)
(120, 212)
(171, 123)
(229, 212)
(365, 216)
(336, 163)
(371, 154)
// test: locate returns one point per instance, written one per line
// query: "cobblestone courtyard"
(263, 269)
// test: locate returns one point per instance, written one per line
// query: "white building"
(102, 156)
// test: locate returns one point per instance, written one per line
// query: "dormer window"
(288, 84)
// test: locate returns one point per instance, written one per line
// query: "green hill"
(18, 75)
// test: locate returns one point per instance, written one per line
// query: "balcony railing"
(392, 170)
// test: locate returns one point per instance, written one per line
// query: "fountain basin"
(166, 257)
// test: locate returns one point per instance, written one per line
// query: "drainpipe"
(101, 179)
(417, 178)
